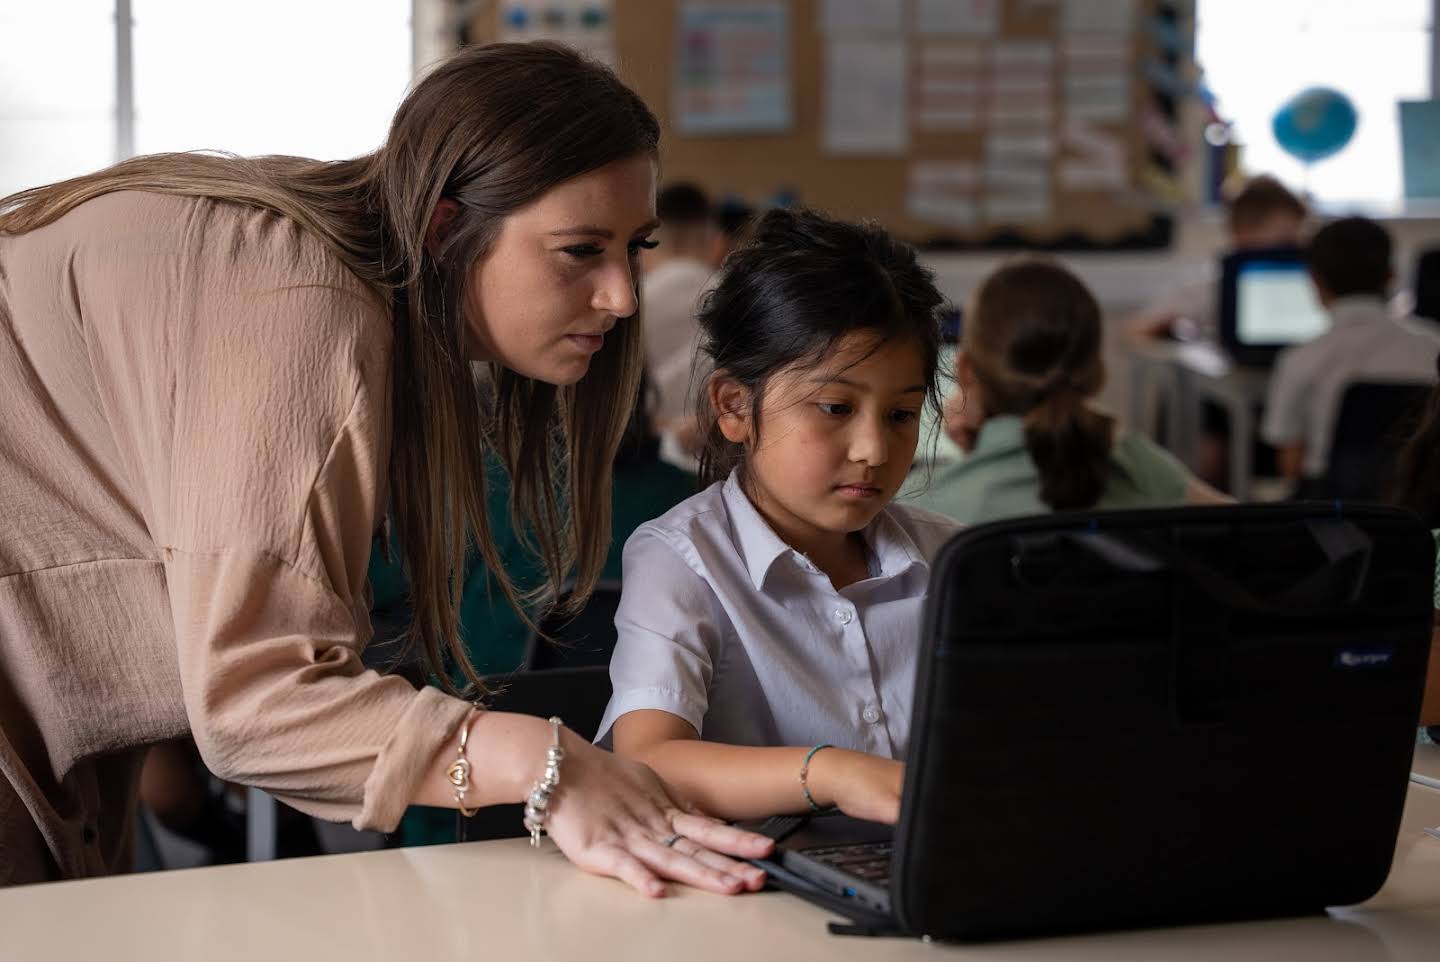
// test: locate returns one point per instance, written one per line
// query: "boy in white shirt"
(676, 273)
(1350, 266)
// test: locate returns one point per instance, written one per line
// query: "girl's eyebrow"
(912, 389)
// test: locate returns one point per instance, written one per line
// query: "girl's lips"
(858, 490)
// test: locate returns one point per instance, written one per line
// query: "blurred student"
(1350, 265)
(676, 272)
(1262, 214)
(1029, 368)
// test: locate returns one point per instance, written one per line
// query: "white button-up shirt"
(1364, 343)
(726, 626)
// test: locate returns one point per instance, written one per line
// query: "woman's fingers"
(752, 877)
(616, 862)
(719, 837)
(671, 863)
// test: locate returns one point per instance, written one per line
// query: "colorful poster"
(732, 68)
(586, 25)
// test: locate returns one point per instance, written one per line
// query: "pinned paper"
(1002, 209)
(864, 17)
(1091, 175)
(944, 193)
(949, 88)
(865, 97)
(1105, 48)
(732, 68)
(586, 25)
(1116, 16)
(945, 175)
(972, 17)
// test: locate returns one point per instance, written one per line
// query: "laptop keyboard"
(868, 860)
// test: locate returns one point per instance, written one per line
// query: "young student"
(769, 625)
(1028, 367)
(1262, 214)
(1350, 266)
(676, 272)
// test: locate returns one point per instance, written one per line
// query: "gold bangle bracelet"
(459, 771)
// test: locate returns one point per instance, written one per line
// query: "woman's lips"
(589, 342)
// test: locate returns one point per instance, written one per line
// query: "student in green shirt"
(1028, 368)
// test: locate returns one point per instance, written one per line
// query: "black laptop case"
(1158, 717)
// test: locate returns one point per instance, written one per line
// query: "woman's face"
(562, 272)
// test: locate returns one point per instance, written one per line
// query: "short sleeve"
(1158, 474)
(669, 631)
(1285, 402)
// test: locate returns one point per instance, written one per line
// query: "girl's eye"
(834, 410)
(904, 417)
(580, 251)
(642, 245)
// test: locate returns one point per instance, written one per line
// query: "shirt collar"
(1357, 309)
(892, 548)
(1003, 434)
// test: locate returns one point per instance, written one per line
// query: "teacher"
(216, 375)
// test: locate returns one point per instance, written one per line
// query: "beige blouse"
(194, 433)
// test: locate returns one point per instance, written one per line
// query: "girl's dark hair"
(1033, 341)
(1416, 479)
(803, 282)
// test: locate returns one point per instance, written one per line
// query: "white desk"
(1187, 375)
(500, 900)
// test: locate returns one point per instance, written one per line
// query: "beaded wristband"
(536, 814)
(459, 771)
(805, 774)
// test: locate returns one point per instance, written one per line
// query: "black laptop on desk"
(1267, 303)
(1127, 719)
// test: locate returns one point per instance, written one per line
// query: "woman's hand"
(612, 816)
(860, 785)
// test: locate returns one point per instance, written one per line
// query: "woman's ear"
(730, 400)
(441, 219)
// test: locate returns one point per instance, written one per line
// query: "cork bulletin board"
(1002, 122)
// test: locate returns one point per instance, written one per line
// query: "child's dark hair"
(1415, 481)
(803, 282)
(1351, 256)
(1033, 341)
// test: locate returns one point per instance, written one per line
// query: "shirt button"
(844, 615)
(871, 715)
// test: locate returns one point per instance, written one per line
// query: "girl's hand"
(860, 785)
(611, 816)
(963, 421)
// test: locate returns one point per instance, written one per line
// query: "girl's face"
(562, 272)
(835, 439)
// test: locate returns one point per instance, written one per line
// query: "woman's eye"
(583, 250)
(904, 417)
(642, 245)
(834, 410)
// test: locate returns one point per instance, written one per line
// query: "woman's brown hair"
(492, 128)
(1032, 339)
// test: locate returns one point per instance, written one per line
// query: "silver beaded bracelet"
(537, 805)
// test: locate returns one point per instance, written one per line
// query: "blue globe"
(1314, 124)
